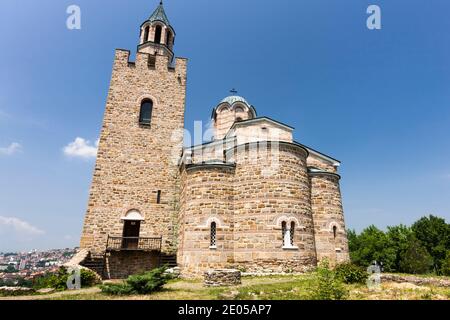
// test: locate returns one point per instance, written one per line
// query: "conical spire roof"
(159, 15)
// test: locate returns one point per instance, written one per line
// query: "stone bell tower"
(134, 195)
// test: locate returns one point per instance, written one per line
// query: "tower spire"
(157, 34)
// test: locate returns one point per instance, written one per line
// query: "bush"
(89, 278)
(445, 268)
(146, 283)
(58, 280)
(328, 285)
(416, 259)
(115, 289)
(351, 273)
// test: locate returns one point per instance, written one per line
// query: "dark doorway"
(131, 235)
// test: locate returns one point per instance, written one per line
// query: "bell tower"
(133, 203)
(157, 35)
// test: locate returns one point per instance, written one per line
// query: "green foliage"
(58, 280)
(372, 245)
(445, 268)
(399, 238)
(328, 285)
(146, 283)
(88, 278)
(403, 249)
(10, 269)
(350, 273)
(415, 259)
(434, 234)
(18, 282)
(117, 289)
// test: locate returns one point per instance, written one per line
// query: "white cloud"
(20, 227)
(11, 149)
(81, 148)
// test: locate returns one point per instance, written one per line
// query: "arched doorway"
(131, 230)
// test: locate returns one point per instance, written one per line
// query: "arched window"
(213, 235)
(286, 235)
(292, 233)
(168, 38)
(334, 232)
(146, 33)
(158, 32)
(239, 109)
(145, 116)
(238, 119)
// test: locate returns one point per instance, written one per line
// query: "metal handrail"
(133, 243)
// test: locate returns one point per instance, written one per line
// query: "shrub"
(351, 273)
(58, 279)
(146, 283)
(89, 278)
(116, 289)
(328, 285)
(416, 259)
(445, 268)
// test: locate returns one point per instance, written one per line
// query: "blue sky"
(377, 100)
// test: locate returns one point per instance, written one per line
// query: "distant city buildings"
(28, 265)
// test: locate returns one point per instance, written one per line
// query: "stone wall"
(269, 184)
(121, 264)
(222, 278)
(328, 213)
(272, 187)
(207, 197)
(133, 161)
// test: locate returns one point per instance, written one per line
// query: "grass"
(289, 287)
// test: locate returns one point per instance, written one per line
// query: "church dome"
(233, 99)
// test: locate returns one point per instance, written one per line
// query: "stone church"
(252, 198)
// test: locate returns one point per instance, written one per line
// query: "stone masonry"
(252, 199)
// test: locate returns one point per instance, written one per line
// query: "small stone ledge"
(269, 274)
(415, 280)
(222, 278)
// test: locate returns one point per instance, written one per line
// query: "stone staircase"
(95, 263)
(169, 260)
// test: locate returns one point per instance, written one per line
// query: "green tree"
(399, 238)
(328, 285)
(434, 234)
(415, 259)
(372, 245)
(445, 268)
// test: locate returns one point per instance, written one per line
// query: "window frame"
(142, 121)
(213, 235)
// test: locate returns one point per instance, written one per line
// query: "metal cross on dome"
(233, 91)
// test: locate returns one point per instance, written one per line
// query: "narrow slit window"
(292, 234)
(158, 197)
(284, 232)
(213, 235)
(334, 232)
